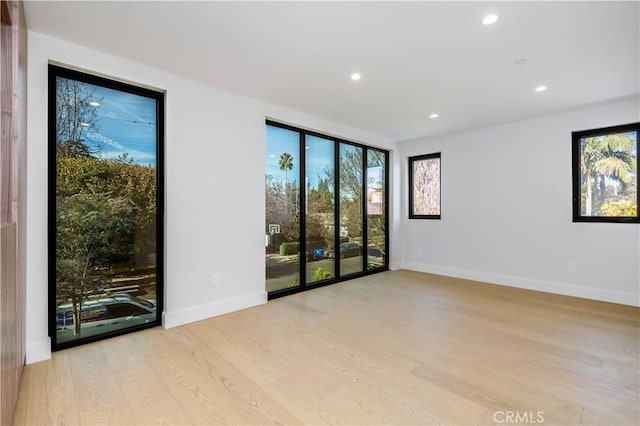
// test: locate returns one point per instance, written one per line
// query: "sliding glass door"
(320, 208)
(105, 207)
(282, 195)
(376, 209)
(351, 223)
(326, 209)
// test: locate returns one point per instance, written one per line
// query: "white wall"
(507, 211)
(215, 150)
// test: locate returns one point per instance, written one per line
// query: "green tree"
(602, 158)
(320, 198)
(351, 180)
(93, 232)
(320, 211)
(119, 178)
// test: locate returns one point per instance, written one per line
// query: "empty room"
(320, 212)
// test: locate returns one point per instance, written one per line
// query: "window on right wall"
(605, 174)
(424, 186)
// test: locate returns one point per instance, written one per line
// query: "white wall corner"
(593, 293)
(198, 313)
(38, 351)
(396, 265)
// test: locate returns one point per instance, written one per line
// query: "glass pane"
(351, 179)
(320, 209)
(608, 180)
(426, 186)
(105, 206)
(282, 195)
(376, 217)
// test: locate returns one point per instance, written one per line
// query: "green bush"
(320, 275)
(620, 208)
(287, 249)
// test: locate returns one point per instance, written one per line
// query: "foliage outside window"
(326, 209)
(105, 144)
(605, 174)
(424, 186)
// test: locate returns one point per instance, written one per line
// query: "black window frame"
(304, 286)
(412, 160)
(55, 71)
(576, 137)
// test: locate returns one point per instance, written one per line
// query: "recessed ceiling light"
(355, 76)
(490, 19)
(94, 104)
(434, 115)
(85, 124)
(541, 88)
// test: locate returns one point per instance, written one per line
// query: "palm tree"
(286, 164)
(606, 157)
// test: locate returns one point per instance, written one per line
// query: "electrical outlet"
(571, 267)
(215, 280)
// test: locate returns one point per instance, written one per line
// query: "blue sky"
(319, 157)
(126, 123)
(280, 141)
(319, 151)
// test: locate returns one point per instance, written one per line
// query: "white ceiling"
(415, 58)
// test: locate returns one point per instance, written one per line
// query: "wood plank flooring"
(393, 348)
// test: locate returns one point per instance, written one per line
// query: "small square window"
(605, 174)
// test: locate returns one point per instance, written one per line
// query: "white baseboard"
(186, 316)
(38, 351)
(604, 295)
(41, 350)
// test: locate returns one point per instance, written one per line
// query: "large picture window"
(105, 207)
(326, 209)
(424, 186)
(605, 174)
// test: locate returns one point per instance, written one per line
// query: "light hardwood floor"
(398, 347)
